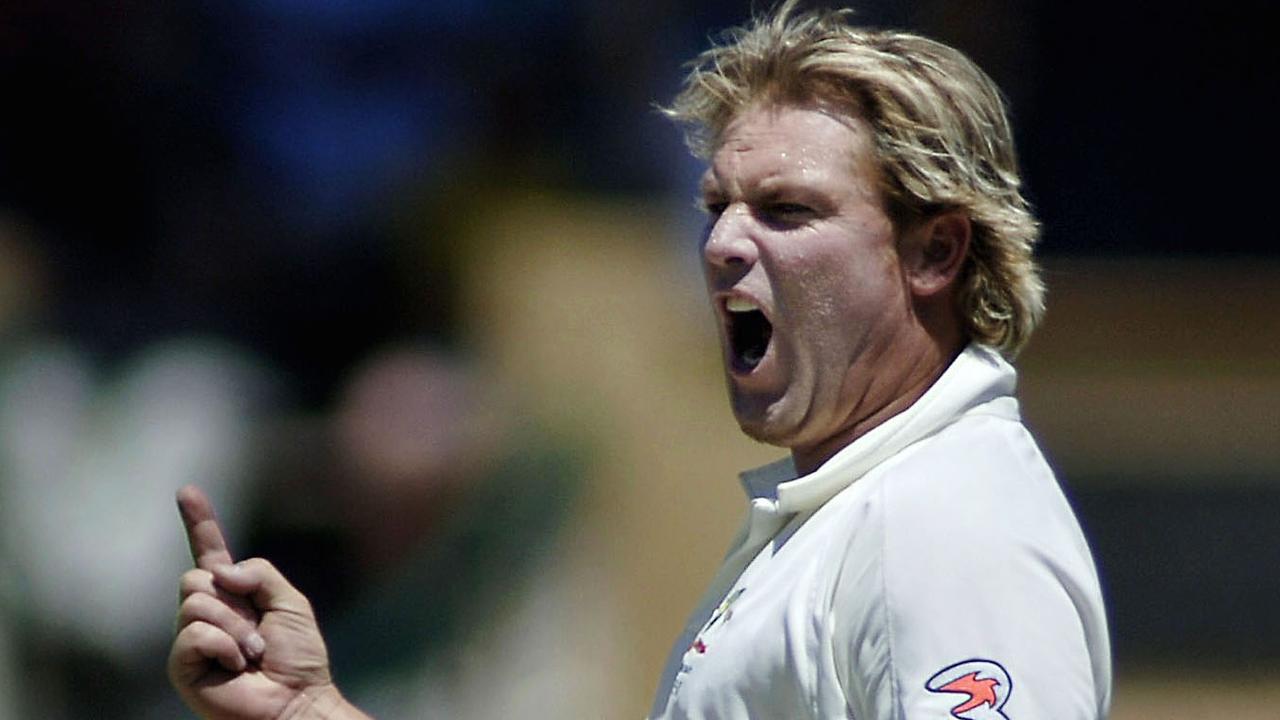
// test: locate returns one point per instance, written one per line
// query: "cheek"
(840, 294)
(841, 265)
(868, 270)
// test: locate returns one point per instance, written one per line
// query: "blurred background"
(411, 289)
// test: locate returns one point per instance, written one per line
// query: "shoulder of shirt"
(968, 475)
(962, 493)
(978, 485)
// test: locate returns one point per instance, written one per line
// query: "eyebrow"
(770, 189)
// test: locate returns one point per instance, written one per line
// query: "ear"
(935, 253)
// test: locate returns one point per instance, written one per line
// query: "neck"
(924, 370)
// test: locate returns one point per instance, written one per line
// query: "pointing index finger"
(204, 535)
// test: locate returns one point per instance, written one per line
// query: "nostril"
(729, 260)
(729, 250)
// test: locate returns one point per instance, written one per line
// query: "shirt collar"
(978, 378)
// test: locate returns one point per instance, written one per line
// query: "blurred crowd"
(227, 247)
(410, 506)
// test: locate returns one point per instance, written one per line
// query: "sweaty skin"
(797, 228)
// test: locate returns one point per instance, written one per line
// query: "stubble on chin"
(757, 431)
(758, 420)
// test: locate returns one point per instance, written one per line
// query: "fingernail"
(255, 645)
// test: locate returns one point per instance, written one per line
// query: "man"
(869, 258)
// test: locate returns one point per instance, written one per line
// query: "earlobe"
(941, 245)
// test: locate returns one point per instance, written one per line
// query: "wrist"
(321, 703)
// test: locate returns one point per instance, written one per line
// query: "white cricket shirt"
(930, 569)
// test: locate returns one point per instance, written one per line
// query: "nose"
(729, 244)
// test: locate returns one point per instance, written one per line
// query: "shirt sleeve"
(971, 593)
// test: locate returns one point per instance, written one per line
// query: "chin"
(759, 426)
(758, 433)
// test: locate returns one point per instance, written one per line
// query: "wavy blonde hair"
(941, 137)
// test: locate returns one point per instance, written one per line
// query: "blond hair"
(941, 137)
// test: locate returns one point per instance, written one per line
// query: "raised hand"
(247, 644)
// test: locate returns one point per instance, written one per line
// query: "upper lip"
(724, 298)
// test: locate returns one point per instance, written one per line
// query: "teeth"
(740, 304)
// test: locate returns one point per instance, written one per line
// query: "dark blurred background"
(389, 277)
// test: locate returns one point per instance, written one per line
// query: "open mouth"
(749, 335)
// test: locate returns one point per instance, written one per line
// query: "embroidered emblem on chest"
(722, 613)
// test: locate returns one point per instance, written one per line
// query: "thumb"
(259, 580)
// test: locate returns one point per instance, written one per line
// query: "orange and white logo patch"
(981, 688)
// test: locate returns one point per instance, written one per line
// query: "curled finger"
(261, 581)
(196, 645)
(202, 581)
(196, 581)
(205, 608)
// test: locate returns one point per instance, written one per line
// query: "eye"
(714, 208)
(789, 209)
(783, 213)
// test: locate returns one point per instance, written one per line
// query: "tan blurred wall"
(1143, 365)
(580, 304)
(1158, 368)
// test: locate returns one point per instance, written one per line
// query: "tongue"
(751, 333)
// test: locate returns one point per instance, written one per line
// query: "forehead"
(785, 143)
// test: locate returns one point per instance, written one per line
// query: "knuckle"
(212, 611)
(196, 608)
(259, 565)
(195, 581)
(191, 607)
(198, 634)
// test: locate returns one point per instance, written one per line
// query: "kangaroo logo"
(983, 686)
